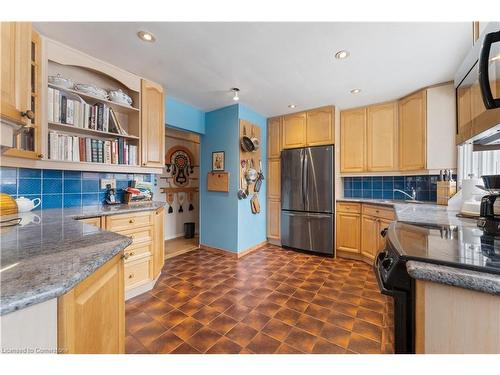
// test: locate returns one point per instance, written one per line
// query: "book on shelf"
(86, 149)
(64, 109)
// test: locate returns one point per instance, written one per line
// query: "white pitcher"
(25, 204)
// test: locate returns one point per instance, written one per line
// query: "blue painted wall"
(219, 211)
(252, 228)
(59, 188)
(184, 116)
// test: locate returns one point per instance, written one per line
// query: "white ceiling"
(275, 64)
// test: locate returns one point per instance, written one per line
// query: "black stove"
(462, 246)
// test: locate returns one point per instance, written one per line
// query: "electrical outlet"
(108, 181)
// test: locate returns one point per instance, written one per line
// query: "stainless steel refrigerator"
(307, 199)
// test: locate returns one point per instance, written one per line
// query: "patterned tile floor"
(271, 301)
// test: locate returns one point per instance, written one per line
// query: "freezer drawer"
(308, 231)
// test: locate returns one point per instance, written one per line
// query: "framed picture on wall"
(218, 161)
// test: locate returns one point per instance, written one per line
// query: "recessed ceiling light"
(343, 54)
(355, 91)
(146, 36)
(235, 90)
(291, 106)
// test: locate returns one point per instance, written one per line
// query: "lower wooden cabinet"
(158, 241)
(91, 317)
(369, 236)
(358, 229)
(273, 220)
(348, 230)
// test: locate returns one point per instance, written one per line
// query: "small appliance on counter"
(471, 197)
(489, 219)
(140, 191)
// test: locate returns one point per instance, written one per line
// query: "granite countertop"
(50, 252)
(433, 214)
(468, 279)
(422, 213)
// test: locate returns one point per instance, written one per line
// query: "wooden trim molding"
(232, 253)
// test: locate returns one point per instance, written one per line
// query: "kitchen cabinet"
(274, 138)
(273, 220)
(91, 317)
(348, 232)
(15, 72)
(319, 126)
(158, 241)
(152, 124)
(358, 228)
(21, 86)
(274, 178)
(413, 132)
(294, 130)
(353, 140)
(464, 114)
(369, 236)
(382, 137)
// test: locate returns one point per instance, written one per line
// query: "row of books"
(62, 109)
(85, 149)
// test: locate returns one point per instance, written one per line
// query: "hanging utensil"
(255, 141)
(170, 201)
(246, 142)
(260, 178)
(190, 200)
(181, 197)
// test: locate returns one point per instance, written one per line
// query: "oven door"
(489, 70)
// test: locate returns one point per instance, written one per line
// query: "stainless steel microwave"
(477, 84)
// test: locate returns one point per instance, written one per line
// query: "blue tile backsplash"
(58, 188)
(382, 187)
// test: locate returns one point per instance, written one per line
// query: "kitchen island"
(52, 254)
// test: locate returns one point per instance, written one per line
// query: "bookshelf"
(90, 121)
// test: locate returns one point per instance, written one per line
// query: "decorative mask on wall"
(179, 162)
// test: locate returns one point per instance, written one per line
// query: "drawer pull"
(131, 221)
(132, 254)
(125, 256)
(131, 276)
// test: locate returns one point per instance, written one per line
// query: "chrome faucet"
(413, 195)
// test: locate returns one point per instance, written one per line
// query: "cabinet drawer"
(138, 235)
(354, 208)
(137, 272)
(377, 211)
(128, 221)
(134, 252)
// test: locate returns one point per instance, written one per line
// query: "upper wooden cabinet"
(353, 140)
(15, 71)
(91, 317)
(312, 128)
(319, 126)
(413, 132)
(152, 124)
(382, 137)
(294, 130)
(274, 137)
(464, 114)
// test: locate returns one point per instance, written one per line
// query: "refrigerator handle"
(305, 191)
(302, 159)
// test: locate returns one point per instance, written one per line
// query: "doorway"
(178, 186)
